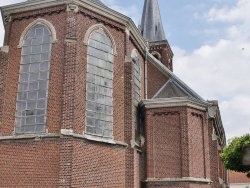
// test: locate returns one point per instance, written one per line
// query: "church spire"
(151, 25)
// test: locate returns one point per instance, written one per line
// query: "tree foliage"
(233, 154)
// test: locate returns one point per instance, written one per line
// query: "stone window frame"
(95, 27)
(113, 45)
(53, 39)
(35, 22)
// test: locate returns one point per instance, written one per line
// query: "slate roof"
(171, 90)
(151, 25)
(237, 177)
(174, 87)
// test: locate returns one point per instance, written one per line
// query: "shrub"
(233, 154)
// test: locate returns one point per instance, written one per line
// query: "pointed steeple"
(151, 25)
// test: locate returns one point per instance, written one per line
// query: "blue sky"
(211, 43)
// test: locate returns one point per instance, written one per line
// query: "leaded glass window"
(32, 94)
(137, 79)
(99, 84)
(137, 90)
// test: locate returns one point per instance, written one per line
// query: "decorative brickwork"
(158, 143)
(3, 71)
(196, 144)
(162, 51)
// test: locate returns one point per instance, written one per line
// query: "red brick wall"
(177, 185)
(155, 80)
(56, 73)
(207, 140)
(196, 143)
(165, 143)
(214, 158)
(170, 185)
(3, 71)
(166, 146)
(29, 164)
(170, 146)
(179, 144)
(200, 186)
(66, 105)
(166, 57)
(98, 165)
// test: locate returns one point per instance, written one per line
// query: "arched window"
(137, 78)
(33, 80)
(99, 84)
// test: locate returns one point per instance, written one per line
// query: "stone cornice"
(38, 13)
(174, 102)
(214, 113)
(70, 133)
(163, 42)
(100, 9)
(135, 42)
(184, 179)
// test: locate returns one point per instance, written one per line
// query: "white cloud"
(236, 115)
(220, 72)
(240, 12)
(1, 32)
(223, 68)
(130, 11)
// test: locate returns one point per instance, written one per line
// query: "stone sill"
(94, 138)
(64, 132)
(184, 179)
(29, 137)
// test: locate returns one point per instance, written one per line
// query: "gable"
(174, 87)
(170, 90)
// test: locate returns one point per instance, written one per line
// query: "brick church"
(89, 100)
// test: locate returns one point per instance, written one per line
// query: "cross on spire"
(151, 25)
